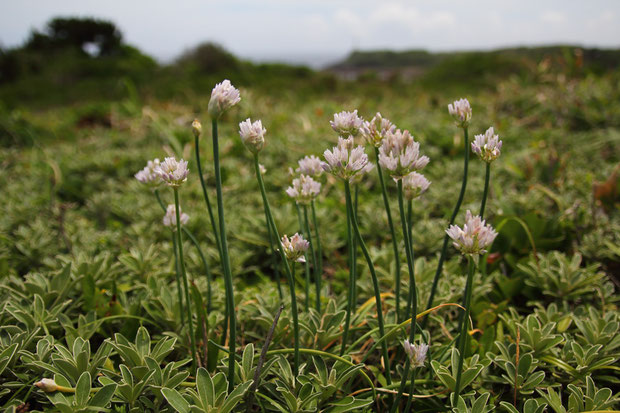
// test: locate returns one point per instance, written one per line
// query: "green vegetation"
(88, 294)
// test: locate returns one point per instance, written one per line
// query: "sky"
(316, 32)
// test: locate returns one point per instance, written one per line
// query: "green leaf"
(103, 396)
(175, 400)
(82, 389)
(204, 385)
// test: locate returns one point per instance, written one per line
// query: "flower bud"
(47, 385)
(196, 128)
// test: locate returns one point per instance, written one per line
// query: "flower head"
(223, 96)
(374, 131)
(399, 154)
(461, 112)
(345, 160)
(488, 146)
(346, 123)
(295, 248)
(414, 185)
(172, 172)
(475, 236)
(252, 135)
(357, 178)
(304, 189)
(416, 353)
(148, 175)
(197, 128)
(170, 217)
(47, 385)
(310, 165)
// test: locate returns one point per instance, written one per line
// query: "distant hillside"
(409, 64)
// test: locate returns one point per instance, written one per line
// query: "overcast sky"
(321, 30)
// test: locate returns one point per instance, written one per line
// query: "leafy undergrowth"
(88, 287)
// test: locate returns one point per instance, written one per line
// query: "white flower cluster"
(475, 236)
(399, 154)
(170, 217)
(416, 353)
(172, 172)
(223, 96)
(346, 123)
(252, 135)
(345, 160)
(295, 247)
(414, 185)
(304, 189)
(148, 175)
(374, 131)
(310, 165)
(461, 112)
(488, 146)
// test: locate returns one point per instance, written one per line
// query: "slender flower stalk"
(287, 267)
(228, 282)
(462, 118)
(488, 147)
(487, 178)
(352, 281)
(319, 270)
(375, 281)
(197, 130)
(314, 259)
(463, 336)
(305, 261)
(190, 323)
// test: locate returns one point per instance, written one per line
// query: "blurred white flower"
(346, 123)
(148, 175)
(252, 135)
(399, 154)
(310, 165)
(488, 146)
(47, 385)
(475, 236)
(197, 128)
(461, 112)
(295, 248)
(223, 96)
(262, 169)
(374, 131)
(170, 217)
(414, 185)
(304, 189)
(416, 353)
(345, 161)
(173, 172)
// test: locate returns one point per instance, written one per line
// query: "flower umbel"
(148, 175)
(304, 189)
(310, 165)
(223, 96)
(416, 353)
(47, 385)
(170, 217)
(346, 123)
(173, 172)
(488, 146)
(344, 161)
(252, 135)
(374, 131)
(295, 247)
(461, 112)
(475, 236)
(399, 154)
(414, 185)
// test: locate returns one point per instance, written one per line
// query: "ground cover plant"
(460, 256)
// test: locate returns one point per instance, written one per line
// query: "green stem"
(410, 397)
(386, 204)
(409, 227)
(315, 266)
(307, 262)
(272, 244)
(287, 267)
(350, 309)
(412, 288)
(319, 269)
(452, 218)
(487, 177)
(375, 281)
(228, 282)
(463, 328)
(184, 275)
(177, 272)
(206, 197)
(354, 262)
